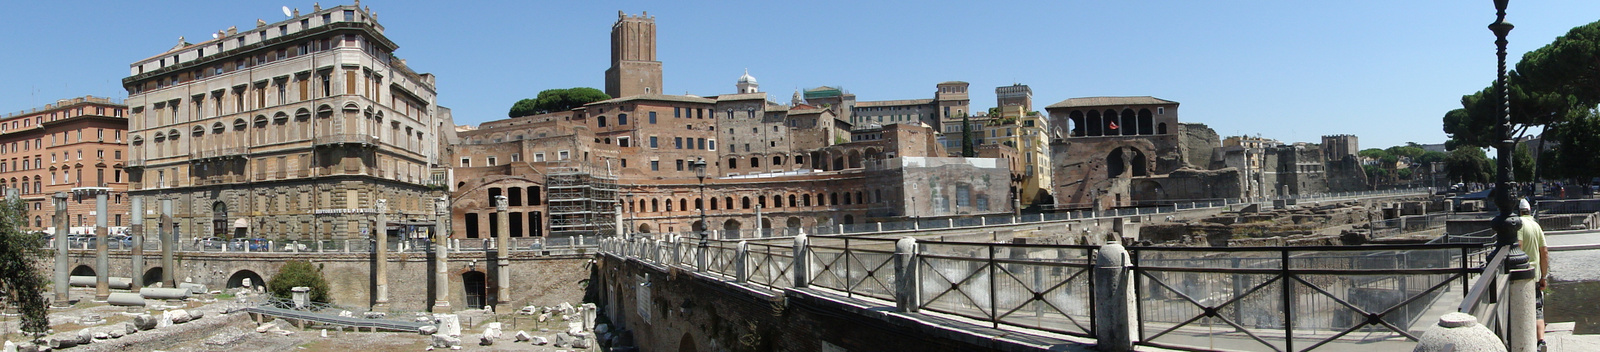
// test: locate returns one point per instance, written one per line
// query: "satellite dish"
(215, 35)
(286, 12)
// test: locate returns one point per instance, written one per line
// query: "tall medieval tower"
(634, 69)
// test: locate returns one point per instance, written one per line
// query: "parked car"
(253, 244)
(212, 243)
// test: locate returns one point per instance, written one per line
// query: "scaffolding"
(581, 202)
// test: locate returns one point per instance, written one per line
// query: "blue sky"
(1291, 70)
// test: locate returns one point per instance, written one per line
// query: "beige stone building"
(289, 130)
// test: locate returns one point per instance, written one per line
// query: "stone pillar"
(380, 275)
(441, 256)
(907, 284)
(102, 261)
(502, 257)
(62, 267)
(1113, 290)
(1522, 310)
(741, 264)
(137, 257)
(1458, 332)
(301, 296)
(802, 261)
(169, 270)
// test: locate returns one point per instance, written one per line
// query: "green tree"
(23, 283)
(967, 148)
(1522, 164)
(1556, 87)
(1405, 151)
(297, 273)
(554, 100)
(1469, 165)
(1373, 153)
(1428, 158)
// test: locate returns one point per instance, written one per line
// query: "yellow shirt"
(1532, 237)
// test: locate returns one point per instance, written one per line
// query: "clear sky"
(1384, 70)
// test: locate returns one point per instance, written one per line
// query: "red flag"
(1113, 125)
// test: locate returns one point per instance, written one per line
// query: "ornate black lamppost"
(699, 166)
(1506, 224)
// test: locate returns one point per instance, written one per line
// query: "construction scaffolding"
(581, 202)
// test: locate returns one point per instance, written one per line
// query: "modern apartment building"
(75, 142)
(288, 130)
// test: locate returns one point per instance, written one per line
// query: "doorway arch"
(476, 286)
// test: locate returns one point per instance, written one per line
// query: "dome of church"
(746, 78)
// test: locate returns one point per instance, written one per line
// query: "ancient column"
(137, 228)
(441, 256)
(62, 267)
(502, 257)
(381, 275)
(102, 262)
(169, 239)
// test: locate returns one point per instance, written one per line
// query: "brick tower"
(634, 69)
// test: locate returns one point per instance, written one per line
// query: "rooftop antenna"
(286, 12)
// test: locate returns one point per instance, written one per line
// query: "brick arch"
(237, 278)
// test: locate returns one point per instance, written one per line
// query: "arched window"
(747, 202)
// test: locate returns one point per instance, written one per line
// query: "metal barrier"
(1196, 297)
(1043, 287)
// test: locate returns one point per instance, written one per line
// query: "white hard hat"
(1522, 204)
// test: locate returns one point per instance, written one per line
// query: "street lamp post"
(699, 166)
(1506, 224)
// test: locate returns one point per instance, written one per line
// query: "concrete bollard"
(802, 261)
(907, 284)
(741, 263)
(1458, 331)
(1113, 288)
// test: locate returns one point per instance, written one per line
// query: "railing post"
(907, 293)
(672, 242)
(880, 226)
(741, 263)
(802, 261)
(1521, 303)
(1113, 292)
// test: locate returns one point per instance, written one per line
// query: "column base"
(441, 306)
(380, 306)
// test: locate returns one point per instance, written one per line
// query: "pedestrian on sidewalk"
(1532, 238)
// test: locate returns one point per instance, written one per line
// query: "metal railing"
(1284, 298)
(1267, 298)
(1043, 287)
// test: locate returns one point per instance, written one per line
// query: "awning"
(241, 223)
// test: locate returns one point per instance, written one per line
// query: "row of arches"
(356, 121)
(835, 159)
(792, 200)
(1109, 122)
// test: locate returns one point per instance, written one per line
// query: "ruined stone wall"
(1346, 175)
(535, 279)
(1198, 141)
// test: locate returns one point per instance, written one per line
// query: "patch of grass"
(225, 296)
